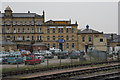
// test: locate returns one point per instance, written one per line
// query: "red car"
(32, 59)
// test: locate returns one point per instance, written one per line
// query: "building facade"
(29, 28)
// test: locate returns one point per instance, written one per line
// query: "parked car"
(48, 54)
(63, 54)
(74, 55)
(42, 58)
(25, 53)
(14, 58)
(32, 59)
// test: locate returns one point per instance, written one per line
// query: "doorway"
(61, 46)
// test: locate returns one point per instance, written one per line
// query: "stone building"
(89, 38)
(30, 28)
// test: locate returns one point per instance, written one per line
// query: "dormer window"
(2, 22)
(37, 23)
(14, 22)
(40, 22)
(18, 23)
(28, 23)
(23, 22)
(8, 22)
(32, 22)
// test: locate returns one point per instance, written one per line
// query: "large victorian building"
(30, 28)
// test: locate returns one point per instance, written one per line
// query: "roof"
(38, 44)
(117, 39)
(22, 15)
(8, 8)
(108, 36)
(6, 43)
(89, 31)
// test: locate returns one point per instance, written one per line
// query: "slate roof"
(23, 15)
(38, 44)
(117, 39)
(108, 36)
(89, 31)
(6, 43)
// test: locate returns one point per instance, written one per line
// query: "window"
(67, 30)
(28, 23)
(61, 37)
(14, 30)
(37, 30)
(14, 38)
(2, 22)
(83, 39)
(67, 45)
(23, 22)
(37, 37)
(40, 30)
(18, 30)
(73, 45)
(37, 23)
(53, 37)
(28, 38)
(8, 30)
(8, 22)
(48, 37)
(101, 40)
(32, 22)
(23, 30)
(67, 38)
(90, 39)
(58, 30)
(32, 30)
(48, 45)
(72, 30)
(18, 23)
(58, 37)
(32, 37)
(53, 30)
(14, 22)
(54, 45)
(61, 30)
(48, 30)
(23, 38)
(28, 29)
(40, 37)
(40, 22)
(72, 37)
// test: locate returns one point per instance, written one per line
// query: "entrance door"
(61, 46)
(86, 48)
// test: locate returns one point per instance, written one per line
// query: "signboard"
(61, 41)
(68, 27)
(52, 27)
(60, 27)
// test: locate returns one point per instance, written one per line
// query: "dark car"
(63, 54)
(74, 55)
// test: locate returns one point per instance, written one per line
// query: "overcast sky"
(101, 16)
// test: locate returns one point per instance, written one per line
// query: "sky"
(101, 16)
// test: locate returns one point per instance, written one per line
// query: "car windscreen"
(28, 58)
